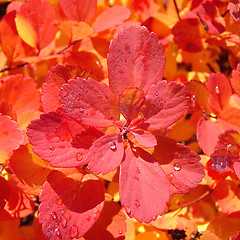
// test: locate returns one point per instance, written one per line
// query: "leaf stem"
(177, 10)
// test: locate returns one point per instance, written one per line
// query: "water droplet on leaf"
(137, 203)
(154, 218)
(138, 170)
(128, 211)
(79, 156)
(52, 148)
(217, 90)
(59, 201)
(54, 215)
(88, 218)
(112, 145)
(81, 110)
(177, 167)
(57, 231)
(73, 232)
(156, 93)
(120, 232)
(193, 100)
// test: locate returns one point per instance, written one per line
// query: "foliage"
(120, 119)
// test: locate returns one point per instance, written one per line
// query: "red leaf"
(111, 17)
(131, 101)
(6, 109)
(207, 135)
(219, 92)
(89, 102)
(165, 104)
(79, 10)
(10, 137)
(71, 203)
(144, 187)
(4, 192)
(11, 44)
(145, 138)
(56, 77)
(135, 59)
(235, 80)
(35, 23)
(106, 153)
(60, 140)
(110, 225)
(180, 164)
(187, 35)
(210, 17)
(234, 8)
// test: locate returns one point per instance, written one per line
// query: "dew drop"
(59, 201)
(177, 166)
(52, 148)
(138, 170)
(137, 203)
(154, 218)
(112, 145)
(63, 221)
(128, 211)
(193, 100)
(73, 231)
(79, 156)
(217, 90)
(156, 93)
(57, 231)
(81, 110)
(88, 218)
(120, 232)
(54, 215)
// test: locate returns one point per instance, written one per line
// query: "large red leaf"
(56, 77)
(60, 140)
(110, 225)
(79, 10)
(111, 17)
(165, 104)
(219, 92)
(135, 59)
(35, 23)
(144, 187)
(4, 192)
(10, 137)
(20, 92)
(131, 101)
(180, 164)
(90, 102)
(106, 153)
(71, 203)
(145, 138)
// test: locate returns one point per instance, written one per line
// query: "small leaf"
(135, 59)
(131, 101)
(89, 102)
(106, 153)
(111, 17)
(35, 23)
(145, 138)
(235, 79)
(144, 187)
(79, 10)
(71, 203)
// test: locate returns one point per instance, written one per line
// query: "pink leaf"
(144, 187)
(180, 164)
(219, 92)
(89, 102)
(135, 59)
(111, 17)
(131, 101)
(145, 138)
(207, 135)
(71, 203)
(56, 77)
(236, 167)
(165, 104)
(79, 10)
(60, 140)
(234, 10)
(106, 153)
